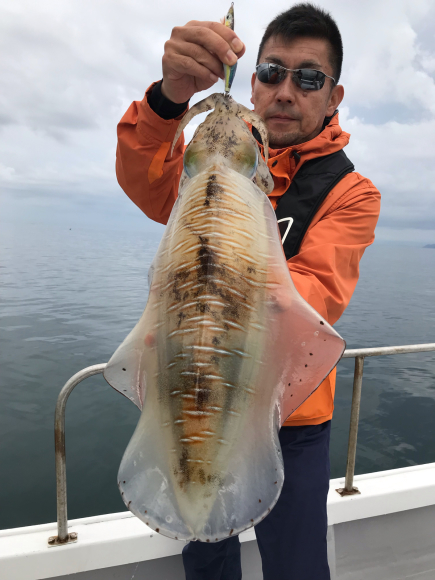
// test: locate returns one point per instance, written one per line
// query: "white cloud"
(71, 68)
(383, 57)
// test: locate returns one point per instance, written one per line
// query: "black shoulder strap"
(309, 188)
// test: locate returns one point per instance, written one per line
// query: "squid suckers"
(225, 350)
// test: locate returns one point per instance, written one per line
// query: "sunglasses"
(307, 79)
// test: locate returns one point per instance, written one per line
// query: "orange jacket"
(326, 269)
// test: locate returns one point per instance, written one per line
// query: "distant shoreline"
(429, 246)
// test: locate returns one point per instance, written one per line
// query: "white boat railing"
(63, 537)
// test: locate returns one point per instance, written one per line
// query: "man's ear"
(254, 76)
(335, 99)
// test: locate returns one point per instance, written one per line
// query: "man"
(299, 107)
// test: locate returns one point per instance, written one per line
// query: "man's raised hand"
(193, 58)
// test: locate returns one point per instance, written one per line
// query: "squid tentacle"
(258, 123)
(206, 104)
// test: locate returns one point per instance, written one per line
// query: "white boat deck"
(385, 533)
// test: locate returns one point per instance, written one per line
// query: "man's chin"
(282, 140)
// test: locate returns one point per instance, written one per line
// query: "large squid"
(226, 348)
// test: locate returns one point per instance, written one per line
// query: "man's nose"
(286, 90)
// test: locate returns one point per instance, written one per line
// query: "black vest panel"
(309, 188)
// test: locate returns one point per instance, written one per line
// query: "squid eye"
(190, 161)
(245, 159)
(193, 160)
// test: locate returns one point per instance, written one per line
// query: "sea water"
(68, 297)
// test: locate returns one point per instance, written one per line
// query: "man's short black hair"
(309, 21)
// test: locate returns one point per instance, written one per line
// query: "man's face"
(291, 114)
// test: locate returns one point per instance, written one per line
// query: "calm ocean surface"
(69, 297)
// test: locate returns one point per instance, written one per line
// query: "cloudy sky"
(70, 68)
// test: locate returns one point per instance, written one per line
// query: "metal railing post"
(349, 489)
(63, 537)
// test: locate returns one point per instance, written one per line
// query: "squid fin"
(124, 368)
(303, 348)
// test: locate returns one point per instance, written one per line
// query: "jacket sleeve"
(326, 269)
(144, 168)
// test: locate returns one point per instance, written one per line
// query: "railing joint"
(344, 492)
(54, 541)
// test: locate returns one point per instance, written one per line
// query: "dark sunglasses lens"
(269, 74)
(309, 79)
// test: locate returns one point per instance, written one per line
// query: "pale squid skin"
(225, 350)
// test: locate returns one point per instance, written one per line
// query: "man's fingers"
(224, 31)
(198, 54)
(214, 37)
(186, 65)
(209, 40)
(230, 36)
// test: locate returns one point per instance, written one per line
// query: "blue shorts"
(292, 538)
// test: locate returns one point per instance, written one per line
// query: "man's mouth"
(279, 117)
